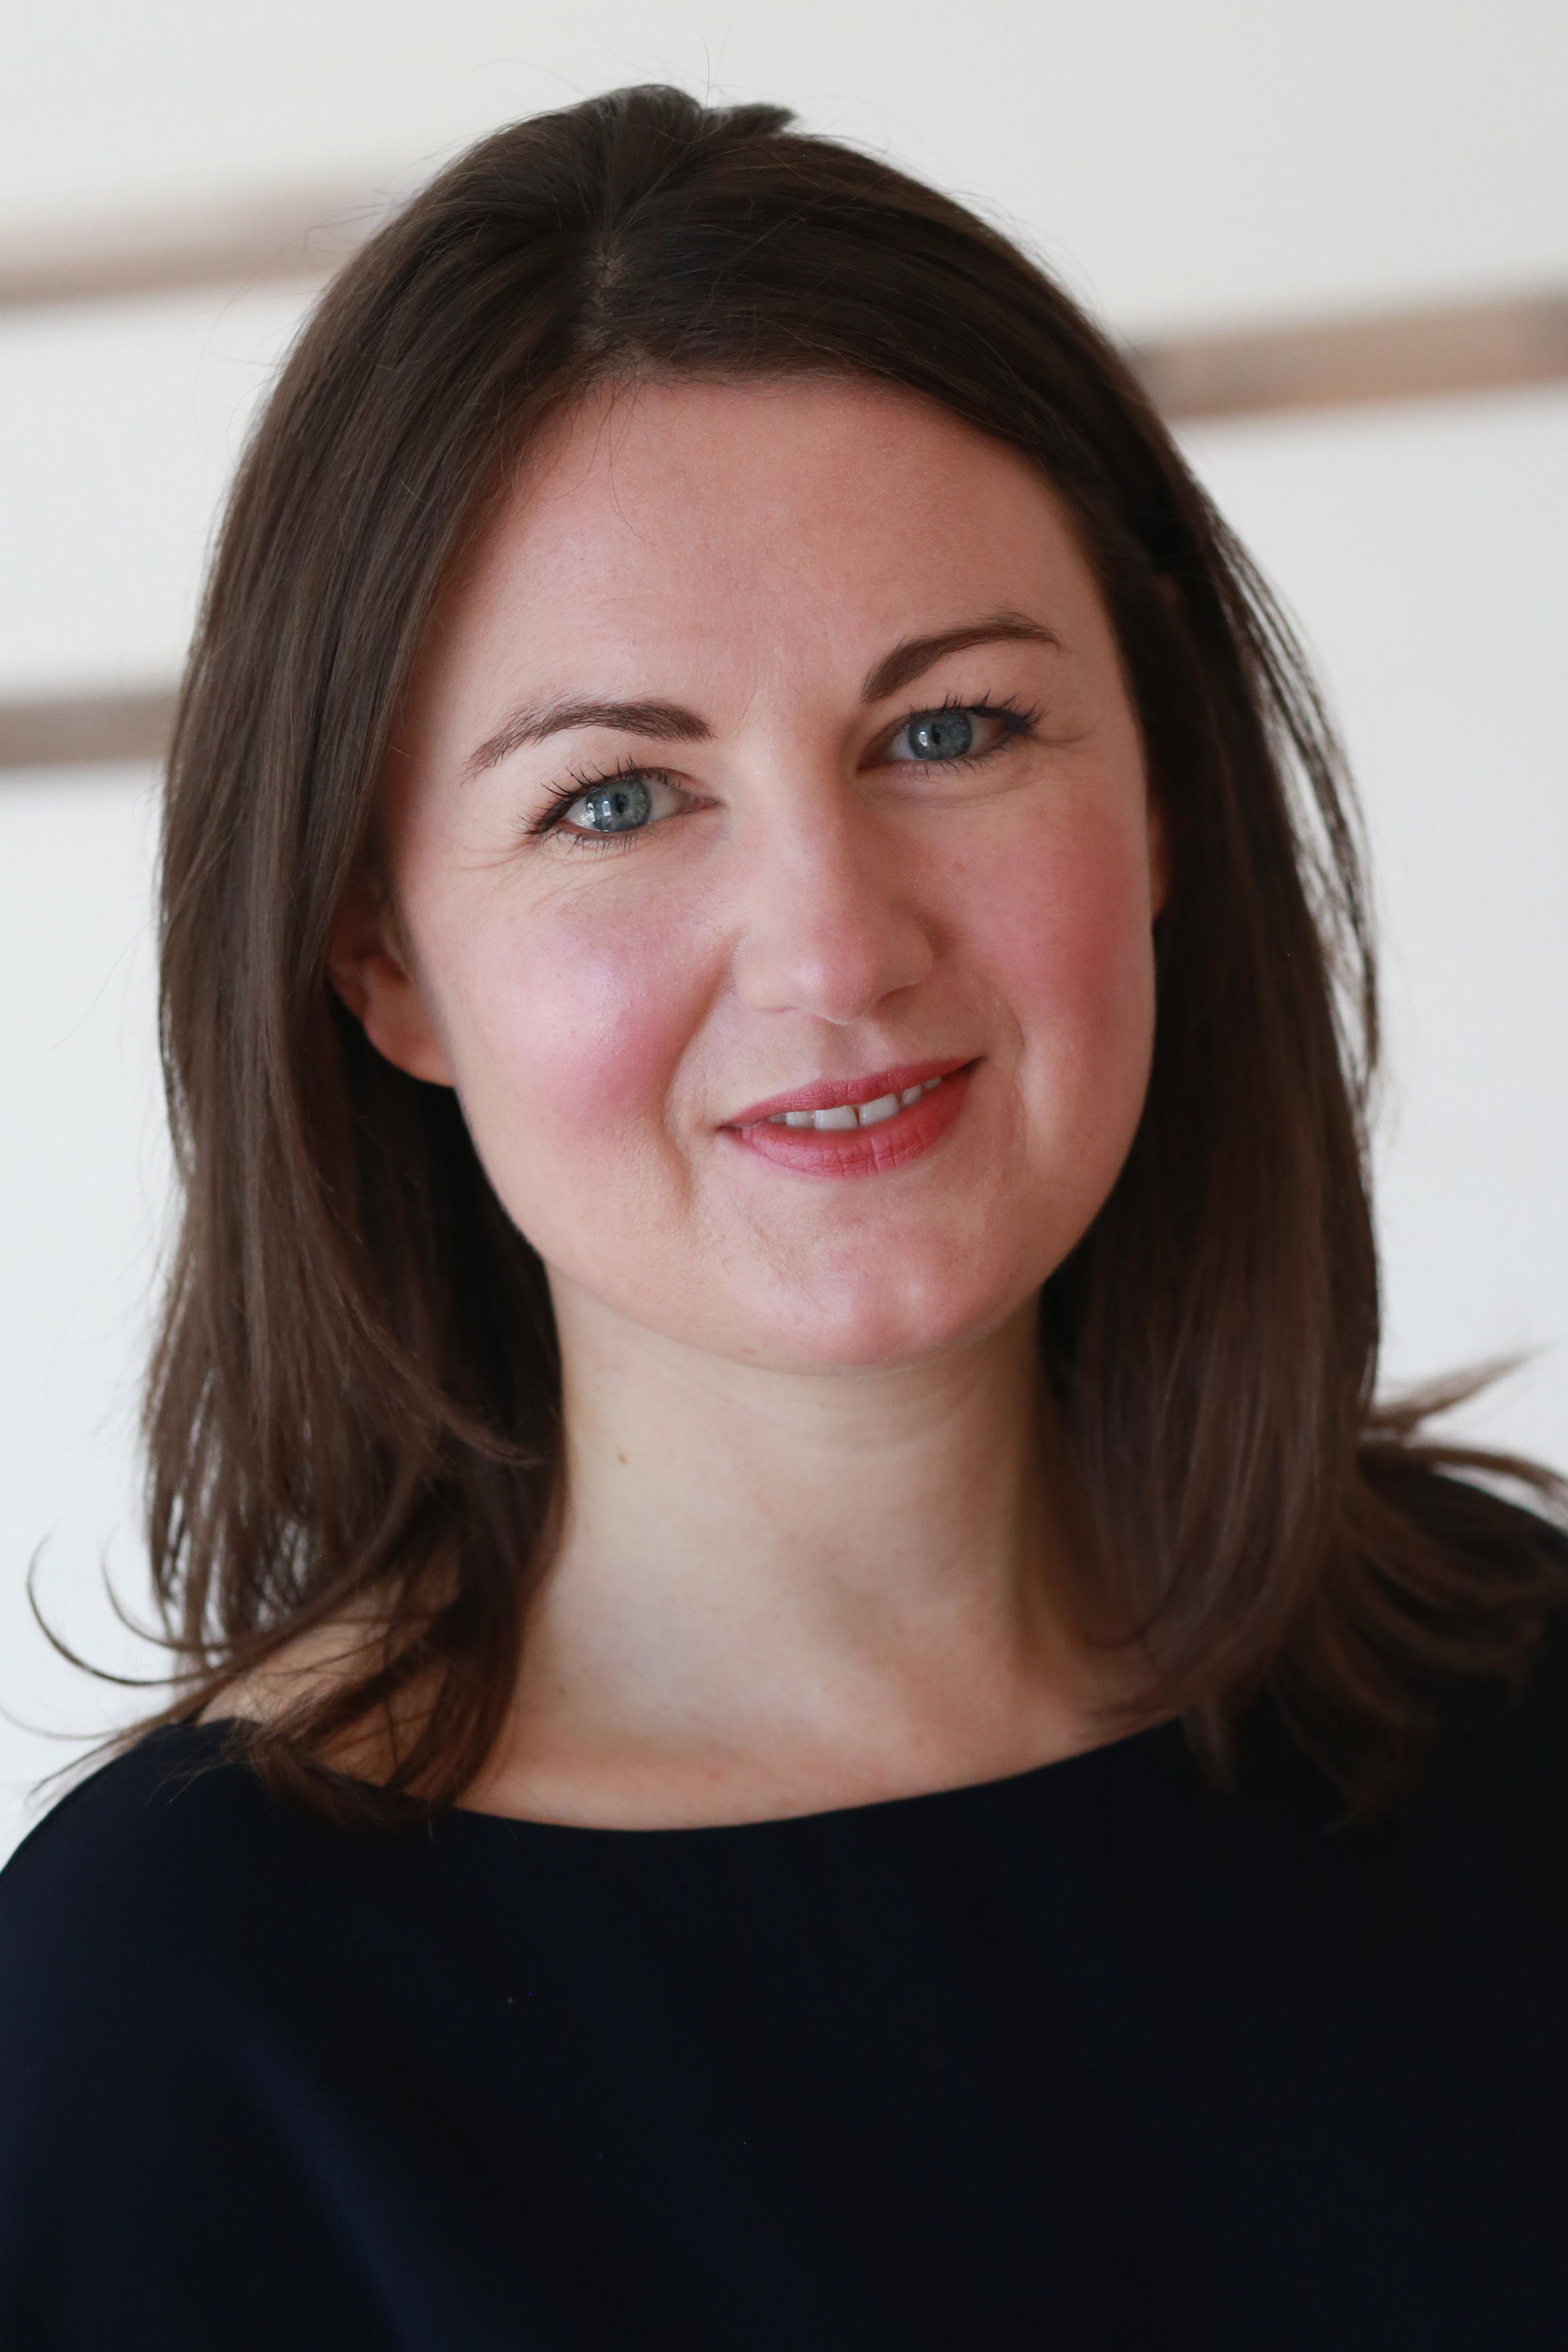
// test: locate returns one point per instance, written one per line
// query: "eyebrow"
(668, 722)
(662, 722)
(913, 656)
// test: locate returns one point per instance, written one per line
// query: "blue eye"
(624, 806)
(960, 734)
(940, 734)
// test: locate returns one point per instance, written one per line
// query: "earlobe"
(370, 967)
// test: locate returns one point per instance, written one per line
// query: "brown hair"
(354, 1397)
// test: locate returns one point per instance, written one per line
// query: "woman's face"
(772, 757)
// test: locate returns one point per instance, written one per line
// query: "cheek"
(1066, 940)
(566, 1023)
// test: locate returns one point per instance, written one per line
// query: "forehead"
(759, 523)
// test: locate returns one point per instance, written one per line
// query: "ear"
(369, 966)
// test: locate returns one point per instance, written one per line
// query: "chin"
(870, 1320)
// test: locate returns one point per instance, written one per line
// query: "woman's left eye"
(956, 731)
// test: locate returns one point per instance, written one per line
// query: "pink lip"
(830, 1093)
(860, 1151)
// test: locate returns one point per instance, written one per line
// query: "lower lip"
(860, 1151)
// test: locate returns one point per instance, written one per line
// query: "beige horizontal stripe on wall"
(86, 730)
(1396, 355)
(282, 238)
(1391, 356)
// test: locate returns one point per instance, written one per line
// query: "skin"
(817, 1544)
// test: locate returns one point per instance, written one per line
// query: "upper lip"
(828, 1094)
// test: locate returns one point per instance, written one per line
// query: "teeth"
(847, 1115)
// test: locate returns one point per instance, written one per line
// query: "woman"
(818, 1713)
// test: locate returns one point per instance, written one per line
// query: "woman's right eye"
(618, 804)
(612, 808)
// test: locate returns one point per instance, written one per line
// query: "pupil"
(618, 808)
(941, 734)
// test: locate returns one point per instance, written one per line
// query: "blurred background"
(1335, 231)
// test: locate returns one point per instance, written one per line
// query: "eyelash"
(623, 772)
(1023, 720)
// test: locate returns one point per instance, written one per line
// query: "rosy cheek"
(1067, 940)
(576, 1014)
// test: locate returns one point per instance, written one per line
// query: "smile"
(865, 1127)
(861, 1113)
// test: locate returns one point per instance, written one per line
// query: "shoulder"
(105, 1915)
(105, 1906)
(163, 1902)
(132, 1832)
(167, 1877)
(1511, 1550)
(1514, 1749)
(1473, 1625)
(176, 1968)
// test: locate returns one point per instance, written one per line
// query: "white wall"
(1179, 158)
(1182, 161)
(1422, 549)
(83, 1183)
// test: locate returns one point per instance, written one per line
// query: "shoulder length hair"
(353, 1402)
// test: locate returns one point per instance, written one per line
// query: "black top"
(1089, 2057)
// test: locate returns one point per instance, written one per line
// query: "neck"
(775, 1592)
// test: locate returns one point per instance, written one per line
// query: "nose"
(831, 923)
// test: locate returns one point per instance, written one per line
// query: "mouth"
(856, 1127)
